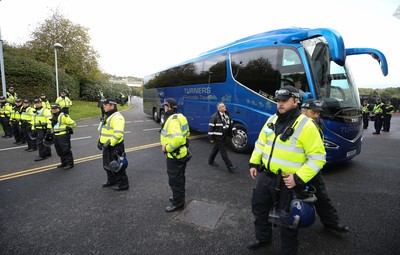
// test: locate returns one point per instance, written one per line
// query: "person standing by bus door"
(289, 142)
(379, 111)
(219, 128)
(389, 110)
(174, 141)
(326, 211)
(111, 141)
(365, 113)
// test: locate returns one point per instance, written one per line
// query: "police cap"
(55, 106)
(110, 101)
(170, 102)
(315, 105)
(286, 92)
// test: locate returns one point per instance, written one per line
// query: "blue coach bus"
(245, 75)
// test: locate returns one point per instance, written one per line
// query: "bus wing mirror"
(376, 54)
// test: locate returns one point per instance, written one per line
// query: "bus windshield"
(334, 84)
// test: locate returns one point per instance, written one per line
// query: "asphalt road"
(44, 210)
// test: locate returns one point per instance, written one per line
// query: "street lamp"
(56, 46)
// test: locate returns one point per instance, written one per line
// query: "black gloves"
(48, 131)
(105, 146)
(99, 145)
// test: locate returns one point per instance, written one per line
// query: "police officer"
(64, 102)
(11, 96)
(389, 110)
(174, 141)
(218, 129)
(324, 207)
(365, 112)
(63, 127)
(379, 111)
(111, 141)
(15, 120)
(45, 101)
(27, 114)
(5, 112)
(290, 144)
(41, 125)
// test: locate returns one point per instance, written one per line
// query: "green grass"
(84, 110)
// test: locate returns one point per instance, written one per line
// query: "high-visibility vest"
(389, 109)
(11, 97)
(64, 102)
(174, 134)
(63, 121)
(113, 129)
(41, 119)
(302, 154)
(5, 110)
(15, 113)
(378, 108)
(365, 108)
(27, 114)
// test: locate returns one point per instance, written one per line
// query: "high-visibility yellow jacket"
(16, 113)
(113, 129)
(41, 119)
(5, 110)
(378, 108)
(45, 103)
(63, 121)
(174, 134)
(365, 108)
(302, 154)
(64, 102)
(11, 97)
(27, 114)
(389, 109)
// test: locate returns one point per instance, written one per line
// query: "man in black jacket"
(218, 129)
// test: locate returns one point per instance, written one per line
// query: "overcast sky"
(137, 38)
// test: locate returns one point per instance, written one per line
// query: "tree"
(77, 57)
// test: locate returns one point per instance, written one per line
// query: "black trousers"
(324, 207)
(386, 123)
(5, 122)
(263, 199)
(219, 146)
(17, 132)
(176, 179)
(26, 130)
(120, 178)
(365, 120)
(62, 144)
(44, 151)
(378, 123)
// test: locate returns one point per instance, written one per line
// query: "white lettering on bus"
(201, 90)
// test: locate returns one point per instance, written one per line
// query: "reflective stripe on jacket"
(5, 110)
(113, 129)
(219, 128)
(365, 108)
(174, 134)
(378, 108)
(41, 119)
(27, 114)
(63, 121)
(302, 154)
(64, 102)
(16, 113)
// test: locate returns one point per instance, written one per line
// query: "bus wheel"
(162, 117)
(240, 142)
(155, 116)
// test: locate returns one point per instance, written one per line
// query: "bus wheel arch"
(239, 141)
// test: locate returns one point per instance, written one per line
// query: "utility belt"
(267, 171)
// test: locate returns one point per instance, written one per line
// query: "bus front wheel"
(162, 117)
(239, 141)
(156, 118)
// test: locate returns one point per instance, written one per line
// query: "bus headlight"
(330, 145)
